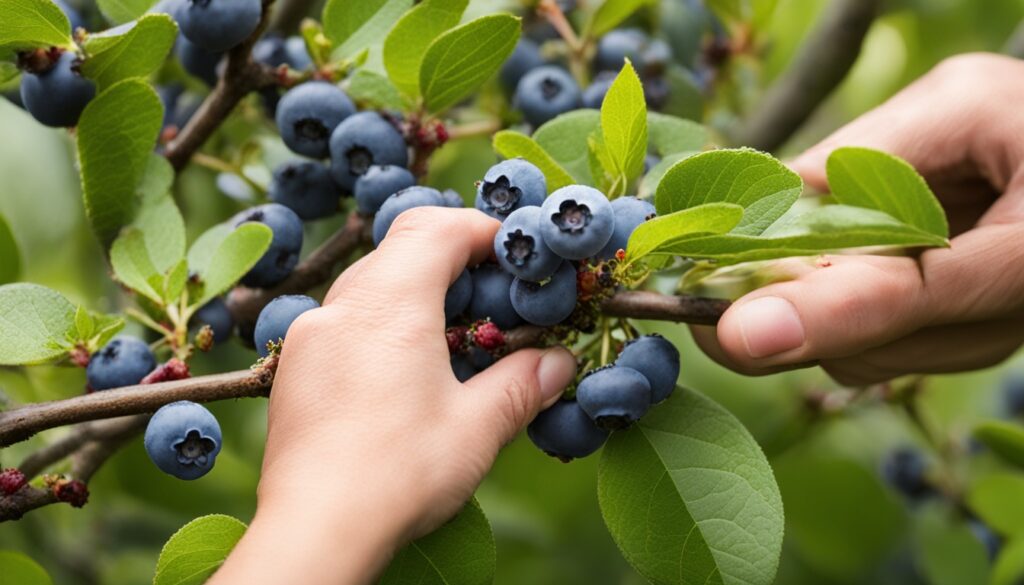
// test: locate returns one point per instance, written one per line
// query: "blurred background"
(844, 526)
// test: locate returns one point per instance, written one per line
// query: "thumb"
(505, 397)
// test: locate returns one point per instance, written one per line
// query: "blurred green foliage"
(843, 526)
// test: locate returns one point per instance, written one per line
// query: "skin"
(868, 319)
(371, 440)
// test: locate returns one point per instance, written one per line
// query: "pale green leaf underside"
(510, 144)
(374, 90)
(133, 267)
(197, 550)
(236, 254)
(671, 135)
(34, 323)
(360, 22)
(565, 139)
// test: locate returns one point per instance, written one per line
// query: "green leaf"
(34, 324)
(1009, 567)
(670, 135)
(355, 24)
(132, 50)
(116, 137)
(31, 24)
(10, 257)
(996, 499)
(946, 551)
(829, 228)
(711, 218)
(459, 553)
(205, 246)
(121, 11)
(197, 550)
(175, 281)
(373, 90)
(740, 176)
(565, 139)
(685, 95)
(1005, 439)
(689, 497)
(610, 14)
(235, 256)
(876, 180)
(129, 257)
(649, 184)
(511, 144)
(624, 128)
(406, 45)
(462, 59)
(18, 568)
(164, 230)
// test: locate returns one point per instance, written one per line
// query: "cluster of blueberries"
(542, 90)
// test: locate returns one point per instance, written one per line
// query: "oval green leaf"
(1009, 567)
(996, 499)
(197, 550)
(689, 497)
(947, 553)
(121, 11)
(34, 324)
(712, 218)
(31, 24)
(459, 553)
(1005, 439)
(624, 128)
(18, 568)
(671, 135)
(133, 50)
(510, 144)
(356, 24)
(236, 254)
(565, 139)
(406, 45)
(610, 14)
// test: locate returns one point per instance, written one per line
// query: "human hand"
(867, 319)
(371, 439)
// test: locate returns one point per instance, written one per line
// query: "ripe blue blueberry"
(466, 365)
(362, 141)
(545, 93)
(305, 187)
(656, 58)
(219, 25)
(380, 182)
(216, 315)
(275, 51)
(521, 249)
(593, 96)
(566, 432)
(657, 359)
(456, 300)
(56, 97)
(510, 185)
(491, 298)
(275, 319)
(523, 59)
(453, 199)
(309, 113)
(282, 256)
(125, 361)
(614, 396)
(577, 221)
(657, 92)
(199, 62)
(906, 471)
(546, 304)
(618, 45)
(183, 440)
(630, 212)
(404, 200)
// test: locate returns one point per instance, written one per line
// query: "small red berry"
(488, 336)
(71, 491)
(456, 336)
(174, 369)
(12, 480)
(79, 356)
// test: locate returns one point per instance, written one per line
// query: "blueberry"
(630, 212)
(404, 200)
(657, 359)
(545, 93)
(277, 317)
(216, 315)
(183, 440)
(380, 182)
(125, 361)
(491, 297)
(296, 54)
(282, 256)
(577, 221)
(618, 45)
(657, 92)
(549, 303)
(73, 15)
(614, 396)
(566, 432)
(523, 59)
(511, 185)
(199, 62)
(275, 51)
(364, 140)
(456, 301)
(656, 58)
(219, 25)
(906, 471)
(466, 365)
(57, 97)
(990, 540)
(1013, 396)
(309, 113)
(593, 96)
(521, 249)
(305, 187)
(453, 199)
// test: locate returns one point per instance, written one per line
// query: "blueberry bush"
(233, 157)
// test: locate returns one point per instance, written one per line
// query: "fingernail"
(555, 370)
(770, 326)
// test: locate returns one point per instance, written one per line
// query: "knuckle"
(521, 399)
(420, 222)
(309, 326)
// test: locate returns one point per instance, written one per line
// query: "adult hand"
(867, 319)
(372, 441)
